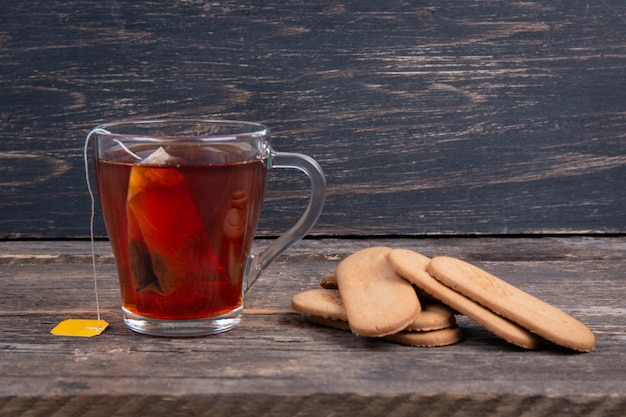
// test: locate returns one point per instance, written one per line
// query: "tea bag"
(167, 241)
(160, 157)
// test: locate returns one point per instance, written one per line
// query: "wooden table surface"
(278, 363)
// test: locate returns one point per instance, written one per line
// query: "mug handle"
(258, 262)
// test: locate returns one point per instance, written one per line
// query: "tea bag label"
(79, 328)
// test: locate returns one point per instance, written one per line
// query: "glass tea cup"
(181, 200)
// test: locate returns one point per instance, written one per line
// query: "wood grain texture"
(431, 117)
(278, 363)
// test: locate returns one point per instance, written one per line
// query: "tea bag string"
(93, 207)
(93, 215)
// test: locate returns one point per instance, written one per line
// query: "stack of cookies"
(407, 298)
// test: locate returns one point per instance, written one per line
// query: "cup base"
(182, 328)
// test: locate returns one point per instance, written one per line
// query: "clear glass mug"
(181, 200)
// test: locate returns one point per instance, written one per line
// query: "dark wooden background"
(429, 117)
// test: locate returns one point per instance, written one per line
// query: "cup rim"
(245, 129)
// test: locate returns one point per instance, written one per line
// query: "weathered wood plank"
(442, 117)
(278, 363)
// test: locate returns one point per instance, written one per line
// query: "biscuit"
(335, 324)
(434, 316)
(434, 338)
(378, 301)
(326, 305)
(411, 265)
(320, 302)
(329, 281)
(513, 303)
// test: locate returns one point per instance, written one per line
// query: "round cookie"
(320, 302)
(411, 265)
(435, 338)
(434, 316)
(513, 303)
(335, 324)
(378, 301)
(324, 306)
(329, 281)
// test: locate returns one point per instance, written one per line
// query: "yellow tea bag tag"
(79, 328)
